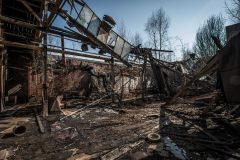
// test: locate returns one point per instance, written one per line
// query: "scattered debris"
(107, 98)
(39, 122)
(174, 149)
(4, 154)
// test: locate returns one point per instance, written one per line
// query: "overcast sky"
(185, 15)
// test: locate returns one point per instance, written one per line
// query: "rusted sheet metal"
(230, 69)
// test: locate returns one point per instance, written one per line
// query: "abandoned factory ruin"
(75, 86)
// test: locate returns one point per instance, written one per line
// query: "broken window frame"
(121, 46)
(126, 55)
(88, 20)
(112, 40)
(107, 34)
(88, 24)
(97, 28)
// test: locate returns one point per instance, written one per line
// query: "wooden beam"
(17, 22)
(20, 45)
(1, 24)
(34, 4)
(1, 83)
(37, 48)
(30, 10)
(2, 80)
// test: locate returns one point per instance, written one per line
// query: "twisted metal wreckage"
(32, 71)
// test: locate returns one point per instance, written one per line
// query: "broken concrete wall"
(82, 79)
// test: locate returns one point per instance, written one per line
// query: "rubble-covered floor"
(107, 132)
(98, 130)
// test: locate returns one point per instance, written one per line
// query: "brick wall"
(82, 81)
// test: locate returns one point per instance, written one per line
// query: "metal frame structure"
(81, 24)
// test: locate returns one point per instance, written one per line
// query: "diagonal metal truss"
(86, 24)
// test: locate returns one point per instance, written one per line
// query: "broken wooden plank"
(57, 104)
(197, 127)
(121, 151)
(91, 104)
(234, 109)
(39, 122)
(225, 122)
(14, 89)
(220, 151)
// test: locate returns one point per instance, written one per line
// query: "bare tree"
(204, 45)
(123, 31)
(137, 39)
(151, 29)
(233, 10)
(162, 27)
(157, 28)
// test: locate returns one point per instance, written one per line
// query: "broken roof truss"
(83, 22)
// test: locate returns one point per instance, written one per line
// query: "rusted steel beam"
(54, 12)
(94, 40)
(49, 19)
(158, 50)
(30, 10)
(65, 33)
(80, 55)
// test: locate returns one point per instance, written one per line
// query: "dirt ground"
(95, 132)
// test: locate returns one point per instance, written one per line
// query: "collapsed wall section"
(83, 79)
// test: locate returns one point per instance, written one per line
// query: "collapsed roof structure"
(59, 56)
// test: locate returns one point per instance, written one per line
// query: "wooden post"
(2, 68)
(112, 77)
(143, 76)
(63, 53)
(2, 78)
(17, 22)
(45, 94)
